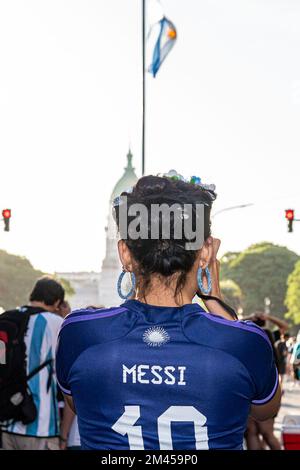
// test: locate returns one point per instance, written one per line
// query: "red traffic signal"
(289, 214)
(6, 214)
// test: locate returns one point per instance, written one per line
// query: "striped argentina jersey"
(40, 341)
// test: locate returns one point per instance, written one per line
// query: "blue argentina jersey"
(41, 342)
(146, 377)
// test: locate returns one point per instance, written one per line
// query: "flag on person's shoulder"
(163, 36)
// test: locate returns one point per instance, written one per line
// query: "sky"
(225, 106)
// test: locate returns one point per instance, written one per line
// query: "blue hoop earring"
(119, 285)
(200, 282)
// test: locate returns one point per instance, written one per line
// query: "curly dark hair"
(165, 257)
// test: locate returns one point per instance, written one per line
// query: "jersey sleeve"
(262, 369)
(83, 329)
(61, 366)
(66, 353)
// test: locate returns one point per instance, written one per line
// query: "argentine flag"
(162, 35)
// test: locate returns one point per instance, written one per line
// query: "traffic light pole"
(289, 215)
(6, 224)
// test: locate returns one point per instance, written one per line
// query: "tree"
(292, 300)
(230, 256)
(17, 277)
(232, 294)
(69, 291)
(260, 271)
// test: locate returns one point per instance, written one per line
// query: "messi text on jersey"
(156, 375)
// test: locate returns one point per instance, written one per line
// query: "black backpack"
(16, 401)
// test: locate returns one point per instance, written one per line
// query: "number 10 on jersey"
(126, 426)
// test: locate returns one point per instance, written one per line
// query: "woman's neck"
(163, 296)
(163, 301)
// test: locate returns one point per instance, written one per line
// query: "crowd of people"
(47, 301)
(260, 435)
(54, 424)
(126, 373)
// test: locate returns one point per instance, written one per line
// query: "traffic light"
(289, 215)
(6, 213)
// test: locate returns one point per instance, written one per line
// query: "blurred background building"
(92, 288)
(111, 266)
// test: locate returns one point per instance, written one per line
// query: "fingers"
(215, 242)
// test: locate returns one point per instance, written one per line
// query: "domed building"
(111, 266)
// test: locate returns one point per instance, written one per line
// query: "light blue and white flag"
(163, 36)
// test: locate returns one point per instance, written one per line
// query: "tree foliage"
(260, 271)
(69, 291)
(17, 278)
(232, 294)
(292, 300)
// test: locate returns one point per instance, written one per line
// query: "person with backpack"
(28, 392)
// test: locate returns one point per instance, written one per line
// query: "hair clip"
(117, 201)
(208, 187)
(172, 174)
(184, 216)
(195, 180)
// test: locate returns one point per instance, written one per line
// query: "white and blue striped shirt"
(40, 341)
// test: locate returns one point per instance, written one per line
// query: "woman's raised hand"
(214, 267)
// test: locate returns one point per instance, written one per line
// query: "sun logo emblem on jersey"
(156, 336)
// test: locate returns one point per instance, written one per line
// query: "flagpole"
(144, 83)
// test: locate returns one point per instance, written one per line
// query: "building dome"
(111, 266)
(128, 179)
